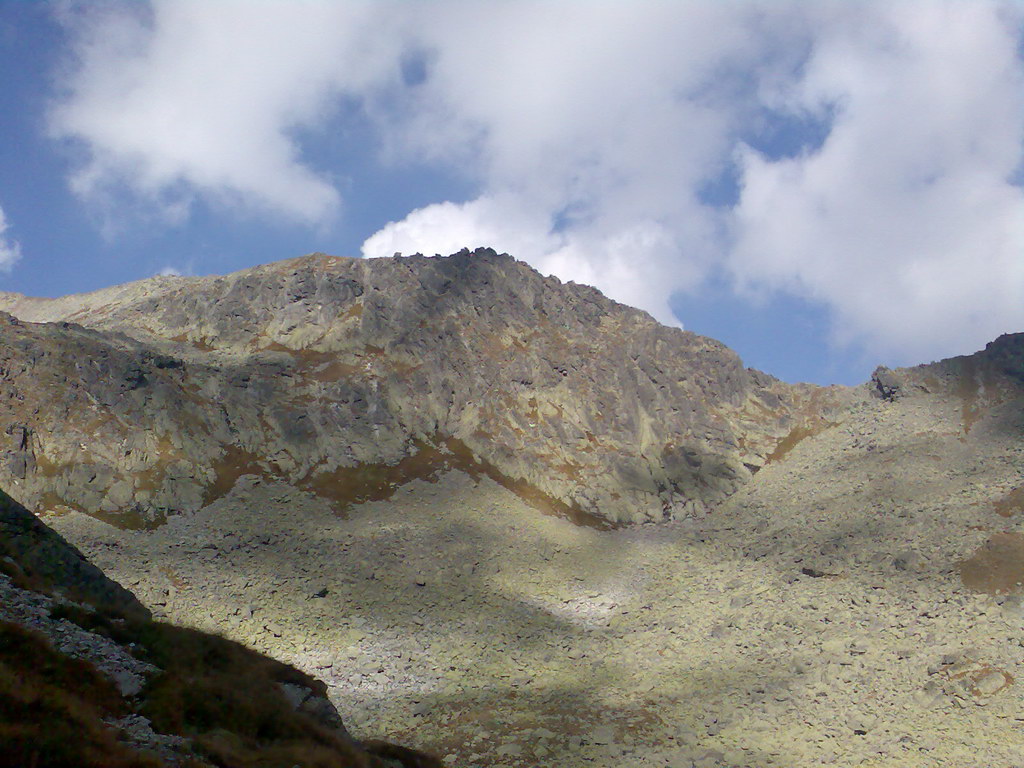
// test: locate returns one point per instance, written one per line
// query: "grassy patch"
(21, 578)
(1011, 503)
(375, 482)
(346, 486)
(997, 568)
(235, 463)
(52, 709)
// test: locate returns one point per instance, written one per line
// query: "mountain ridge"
(588, 406)
(340, 464)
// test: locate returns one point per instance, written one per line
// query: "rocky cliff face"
(347, 377)
(874, 563)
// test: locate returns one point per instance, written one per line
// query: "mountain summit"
(348, 377)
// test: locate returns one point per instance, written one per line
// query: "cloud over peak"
(10, 250)
(861, 156)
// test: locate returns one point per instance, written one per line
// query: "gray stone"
(908, 561)
(861, 722)
(990, 683)
(512, 749)
(887, 385)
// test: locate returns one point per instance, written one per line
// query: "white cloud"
(203, 98)
(591, 129)
(10, 250)
(903, 222)
(445, 228)
(630, 263)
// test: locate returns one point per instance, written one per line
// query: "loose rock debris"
(845, 608)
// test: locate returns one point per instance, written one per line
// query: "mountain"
(857, 602)
(339, 464)
(348, 377)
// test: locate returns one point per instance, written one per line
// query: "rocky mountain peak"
(342, 461)
(346, 377)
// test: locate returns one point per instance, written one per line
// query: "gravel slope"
(816, 618)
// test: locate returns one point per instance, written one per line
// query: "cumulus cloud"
(592, 129)
(10, 250)
(185, 98)
(892, 205)
(905, 221)
(859, 155)
(445, 228)
(630, 262)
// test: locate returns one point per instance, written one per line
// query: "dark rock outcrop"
(39, 556)
(886, 384)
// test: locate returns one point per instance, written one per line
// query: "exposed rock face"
(981, 383)
(886, 384)
(348, 376)
(36, 553)
(837, 610)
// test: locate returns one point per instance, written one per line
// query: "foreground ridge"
(88, 679)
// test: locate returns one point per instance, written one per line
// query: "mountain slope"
(34, 555)
(856, 603)
(348, 377)
(88, 680)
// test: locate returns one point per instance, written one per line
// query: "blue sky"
(823, 186)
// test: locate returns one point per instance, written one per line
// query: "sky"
(824, 186)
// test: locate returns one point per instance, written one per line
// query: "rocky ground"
(88, 679)
(832, 612)
(32, 610)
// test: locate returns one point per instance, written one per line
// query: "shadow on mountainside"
(504, 656)
(88, 679)
(570, 723)
(484, 619)
(464, 622)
